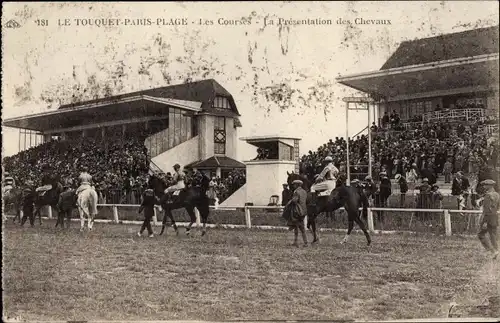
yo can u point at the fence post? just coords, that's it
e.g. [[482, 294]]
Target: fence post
[[155, 217], [197, 214], [371, 227], [115, 214], [447, 223], [248, 221], [49, 211]]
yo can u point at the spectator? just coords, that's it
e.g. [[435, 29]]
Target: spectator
[[403, 189]]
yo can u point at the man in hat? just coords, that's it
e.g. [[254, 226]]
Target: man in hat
[[436, 197], [370, 188], [447, 169], [148, 204], [403, 189], [296, 210], [178, 180], [325, 182], [460, 188], [28, 203], [489, 219], [385, 188]]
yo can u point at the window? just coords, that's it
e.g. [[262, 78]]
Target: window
[[420, 108], [221, 103], [220, 135], [428, 106]]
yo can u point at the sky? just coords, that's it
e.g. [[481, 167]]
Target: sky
[[282, 77]]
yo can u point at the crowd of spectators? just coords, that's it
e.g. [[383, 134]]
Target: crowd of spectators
[[224, 188], [421, 150], [117, 164]]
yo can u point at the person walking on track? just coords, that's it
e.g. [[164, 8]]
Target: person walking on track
[[148, 205], [489, 219]]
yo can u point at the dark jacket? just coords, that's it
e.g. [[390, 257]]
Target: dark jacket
[[28, 199], [457, 188], [148, 203], [385, 188], [403, 185]]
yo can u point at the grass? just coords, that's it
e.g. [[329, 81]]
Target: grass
[[111, 274]]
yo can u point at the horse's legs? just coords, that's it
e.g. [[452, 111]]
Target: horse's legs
[[349, 230], [204, 212], [312, 221], [192, 217], [91, 221], [82, 219], [168, 213], [363, 228]]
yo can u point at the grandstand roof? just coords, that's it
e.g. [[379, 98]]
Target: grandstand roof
[[443, 65], [217, 161], [196, 97], [468, 43]]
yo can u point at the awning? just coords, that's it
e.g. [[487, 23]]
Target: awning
[[135, 107], [264, 141], [470, 74], [215, 162]]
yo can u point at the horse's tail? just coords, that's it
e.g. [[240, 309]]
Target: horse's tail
[[365, 204]]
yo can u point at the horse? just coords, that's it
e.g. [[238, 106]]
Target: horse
[[346, 196], [189, 198], [13, 197], [47, 198], [86, 202]]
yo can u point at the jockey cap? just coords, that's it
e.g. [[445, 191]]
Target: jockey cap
[[460, 173], [368, 178], [425, 180], [328, 159], [297, 182], [397, 177], [354, 181], [488, 182]]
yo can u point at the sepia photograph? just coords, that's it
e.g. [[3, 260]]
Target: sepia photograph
[[218, 161]]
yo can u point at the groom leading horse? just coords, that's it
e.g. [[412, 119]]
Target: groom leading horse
[[341, 196]]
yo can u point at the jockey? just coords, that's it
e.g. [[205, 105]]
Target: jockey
[[327, 178], [47, 181], [8, 183], [178, 180], [85, 179]]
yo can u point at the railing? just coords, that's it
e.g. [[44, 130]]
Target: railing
[[445, 213], [488, 128], [466, 114]]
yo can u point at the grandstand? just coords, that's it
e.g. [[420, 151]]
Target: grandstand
[[122, 138], [436, 99]]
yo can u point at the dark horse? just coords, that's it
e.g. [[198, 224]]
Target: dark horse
[[50, 198], [193, 196], [342, 196]]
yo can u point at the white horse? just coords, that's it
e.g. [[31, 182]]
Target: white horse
[[87, 207]]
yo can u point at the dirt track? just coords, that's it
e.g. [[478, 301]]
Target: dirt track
[[111, 274]]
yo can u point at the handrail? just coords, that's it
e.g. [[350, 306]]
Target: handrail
[[454, 114]]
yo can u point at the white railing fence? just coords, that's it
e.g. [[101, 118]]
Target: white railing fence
[[247, 210]]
